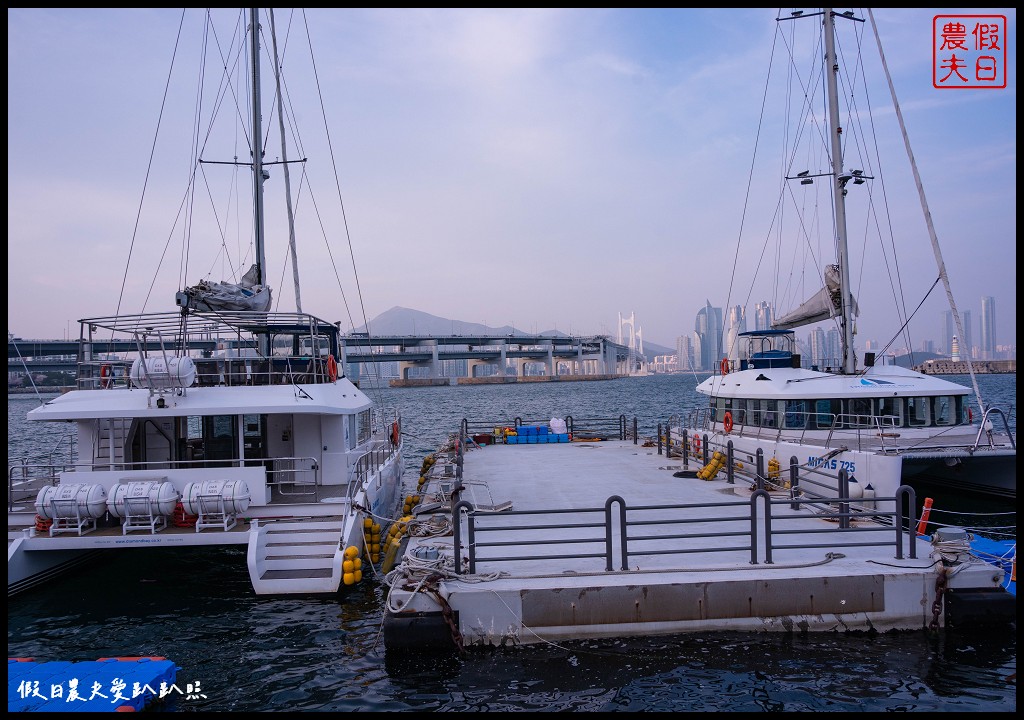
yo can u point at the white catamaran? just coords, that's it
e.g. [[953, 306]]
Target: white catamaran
[[884, 425], [220, 422]]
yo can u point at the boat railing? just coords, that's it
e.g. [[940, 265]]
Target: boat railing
[[294, 476], [985, 429], [290, 476], [621, 537], [25, 480], [818, 477], [371, 463], [104, 374]]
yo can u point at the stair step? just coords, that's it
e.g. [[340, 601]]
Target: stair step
[[300, 564], [295, 574], [319, 538], [296, 553]]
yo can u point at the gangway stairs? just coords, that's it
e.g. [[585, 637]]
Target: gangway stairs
[[288, 557]]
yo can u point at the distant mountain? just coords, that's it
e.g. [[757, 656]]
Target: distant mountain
[[404, 321]]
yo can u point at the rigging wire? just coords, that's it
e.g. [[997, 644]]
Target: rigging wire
[[927, 212]]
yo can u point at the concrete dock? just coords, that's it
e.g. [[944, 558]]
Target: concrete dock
[[610, 538]]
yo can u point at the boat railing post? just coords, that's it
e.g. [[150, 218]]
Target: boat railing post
[[760, 493], [457, 535], [704, 448], [659, 442], [759, 469], [794, 481], [636, 431], [905, 495], [686, 450], [844, 500], [609, 550], [730, 476]]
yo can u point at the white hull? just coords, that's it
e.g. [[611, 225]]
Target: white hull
[[292, 548]]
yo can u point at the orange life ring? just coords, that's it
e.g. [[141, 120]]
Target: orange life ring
[[396, 434], [43, 524], [727, 422], [106, 376], [724, 366], [696, 443], [332, 368]]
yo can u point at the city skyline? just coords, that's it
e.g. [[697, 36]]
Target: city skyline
[[581, 160]]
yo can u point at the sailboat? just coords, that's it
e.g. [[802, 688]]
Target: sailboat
[[860, 426], [219, 422]]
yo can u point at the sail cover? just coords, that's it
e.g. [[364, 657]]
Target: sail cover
[[246, 294], [824, 304]]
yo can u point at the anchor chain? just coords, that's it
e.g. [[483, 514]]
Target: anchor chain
[[449, 617], [940, 588]]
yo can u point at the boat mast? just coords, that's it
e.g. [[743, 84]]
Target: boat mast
[[839, 191], [258, 174]]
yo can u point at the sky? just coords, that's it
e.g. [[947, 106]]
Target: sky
[[541, 168]]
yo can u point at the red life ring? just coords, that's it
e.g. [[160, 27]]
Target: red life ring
[[106, 376], [970, 415], [396, 434], [727, 422], [724, 366], [696, 444], [332, 368]]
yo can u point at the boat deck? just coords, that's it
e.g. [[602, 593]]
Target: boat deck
[[598, 539]]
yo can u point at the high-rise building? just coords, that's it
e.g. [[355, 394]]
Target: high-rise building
[[965, 340], [708, 329], [763, 316], [816, 345], [735, 323], [832, 348], [988, 328], [684, 351]]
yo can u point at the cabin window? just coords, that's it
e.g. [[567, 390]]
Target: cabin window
[[254, 434], [763, 413], [944, 410], [739, 412], [890, 412], [365, 427], [858, 413], [963, 410], [220, 438], [722, 406], [917, 411], [825, 413], [796, 414]]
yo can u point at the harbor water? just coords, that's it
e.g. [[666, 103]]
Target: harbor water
[[241, 652]]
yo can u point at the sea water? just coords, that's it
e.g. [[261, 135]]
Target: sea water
[[241, 652]]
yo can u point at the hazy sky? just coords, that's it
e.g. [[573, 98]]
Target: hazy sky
[[547, 168]]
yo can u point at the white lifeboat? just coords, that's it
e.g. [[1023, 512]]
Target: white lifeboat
[[159, 494], [160, 374], [202, 495], [72, 500]]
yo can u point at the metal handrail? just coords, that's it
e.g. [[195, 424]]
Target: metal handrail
[[753, 524]]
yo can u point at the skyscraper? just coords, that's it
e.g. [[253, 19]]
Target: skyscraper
[[708, 330], [988, 327], [735, 323], [763, 316], [684, 351], [964, 340]]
